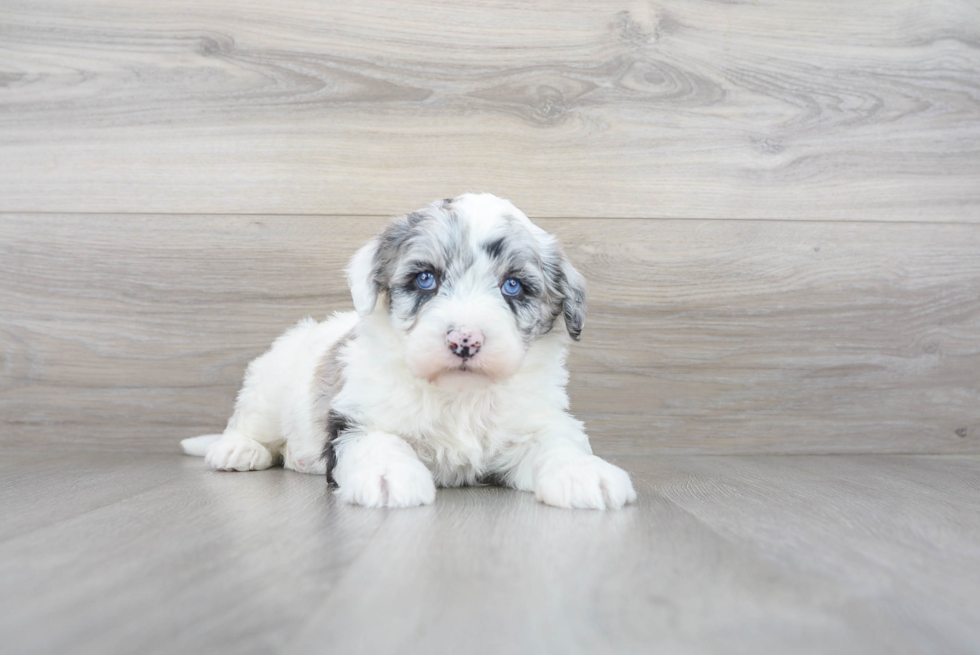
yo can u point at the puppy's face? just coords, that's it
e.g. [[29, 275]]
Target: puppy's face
[[469, 284]]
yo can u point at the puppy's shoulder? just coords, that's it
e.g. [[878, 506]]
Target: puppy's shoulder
[[338, 325]]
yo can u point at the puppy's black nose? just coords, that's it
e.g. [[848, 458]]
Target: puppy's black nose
[[463, 342]]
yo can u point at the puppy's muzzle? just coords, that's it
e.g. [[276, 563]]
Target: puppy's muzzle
[[464, 342]]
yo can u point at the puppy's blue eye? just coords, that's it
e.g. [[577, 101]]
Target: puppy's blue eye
[[511, 287], [425, 281]]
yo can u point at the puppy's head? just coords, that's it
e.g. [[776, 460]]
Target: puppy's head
[[469, 284]]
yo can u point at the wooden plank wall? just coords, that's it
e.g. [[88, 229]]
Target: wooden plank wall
[[777, 205]]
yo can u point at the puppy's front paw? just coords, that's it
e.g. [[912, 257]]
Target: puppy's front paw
[[586, 482], [238, 455], [308, 461], [395, 484]]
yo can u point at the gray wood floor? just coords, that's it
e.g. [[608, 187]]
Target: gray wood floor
[[149, 553]]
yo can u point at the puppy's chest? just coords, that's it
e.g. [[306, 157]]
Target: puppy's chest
[[469, 432]]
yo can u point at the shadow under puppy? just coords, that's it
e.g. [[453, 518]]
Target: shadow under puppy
[[451, 371]]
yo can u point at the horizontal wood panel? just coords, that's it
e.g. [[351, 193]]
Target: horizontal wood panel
[[797, 110], [702, 336]]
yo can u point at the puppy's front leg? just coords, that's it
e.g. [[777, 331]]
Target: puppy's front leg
[[559, 467], [379, 469]]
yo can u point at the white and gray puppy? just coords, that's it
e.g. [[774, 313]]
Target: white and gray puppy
[[450, 372]]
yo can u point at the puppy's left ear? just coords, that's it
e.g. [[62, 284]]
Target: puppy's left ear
[[361, 277], [571, 283]]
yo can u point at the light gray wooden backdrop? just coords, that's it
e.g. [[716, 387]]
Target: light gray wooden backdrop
[[777, 204]]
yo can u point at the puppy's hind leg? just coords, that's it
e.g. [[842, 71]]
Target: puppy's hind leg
[[236, 452], [249, 442]]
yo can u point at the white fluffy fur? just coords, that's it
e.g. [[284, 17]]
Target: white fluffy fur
[[422, 422]]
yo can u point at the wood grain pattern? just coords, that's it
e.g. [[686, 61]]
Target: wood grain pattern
[[179, 567], [702, 336], [844, 554], [67, 484], [805, 110], [718, 550]]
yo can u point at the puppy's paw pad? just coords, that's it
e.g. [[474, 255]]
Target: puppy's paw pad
[[586, 483], [238, 455], [399, 484]]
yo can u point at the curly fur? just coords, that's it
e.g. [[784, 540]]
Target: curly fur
[[375, 399]]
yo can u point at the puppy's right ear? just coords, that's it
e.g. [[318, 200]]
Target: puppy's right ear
[[369, 271], [362, 277]]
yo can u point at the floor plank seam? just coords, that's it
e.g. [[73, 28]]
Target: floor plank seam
[[90, 510], [337, 583]]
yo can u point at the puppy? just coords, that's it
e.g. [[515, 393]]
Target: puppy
[[450, 372]]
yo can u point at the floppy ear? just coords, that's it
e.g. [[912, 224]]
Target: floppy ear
[[361, 274], [369, 268], [572, 285]]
